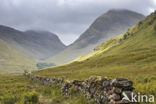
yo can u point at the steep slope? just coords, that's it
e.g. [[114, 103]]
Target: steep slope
[[140, 37], [13, 62], [132, 56], [37, 45], [110, 24], [43, 44], [125, 56]]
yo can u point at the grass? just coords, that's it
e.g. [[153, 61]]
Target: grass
[[137, 66], [18, 89], [14, 90], [132, 56], [13, 62]]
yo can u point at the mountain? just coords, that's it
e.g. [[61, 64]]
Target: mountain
[[110, 24], [43, 44], [12, 61], [131, 55], [37, 45], [140, 38]]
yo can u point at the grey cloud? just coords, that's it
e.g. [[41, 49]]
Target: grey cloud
[[67, 18]]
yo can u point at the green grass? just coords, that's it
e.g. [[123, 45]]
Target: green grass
[[18, 89], [13, 62], [132, 56], [137, 66], [14, 90]]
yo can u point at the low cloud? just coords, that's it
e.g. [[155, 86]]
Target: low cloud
[[67, 18]]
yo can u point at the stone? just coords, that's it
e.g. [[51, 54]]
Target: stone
[[114, 97], [122, 102], [101, 90], [121, 83]]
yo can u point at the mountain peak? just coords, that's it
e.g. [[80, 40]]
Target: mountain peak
[[141, 35], [119, 10], [6, 28], [110, 24], [115, 12], [41, 32], [36, 44], [37, 31]]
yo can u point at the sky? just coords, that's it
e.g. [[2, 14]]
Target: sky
[[66, 18]]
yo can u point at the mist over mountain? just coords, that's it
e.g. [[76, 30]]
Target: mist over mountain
[[35, 44], [12, 61], [77, 52], [110, 24]]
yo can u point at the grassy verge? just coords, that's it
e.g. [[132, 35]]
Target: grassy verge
[[19, 89]]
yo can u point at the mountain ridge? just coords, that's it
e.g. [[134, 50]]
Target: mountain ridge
[[21, 51], [111, 23], [13, 62], [132, 53], [37, 45], [110, 45]]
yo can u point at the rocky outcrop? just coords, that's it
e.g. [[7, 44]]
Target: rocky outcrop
[[102, 90]]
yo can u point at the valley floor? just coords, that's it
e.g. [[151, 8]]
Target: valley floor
[[18, 89], [138, 66]]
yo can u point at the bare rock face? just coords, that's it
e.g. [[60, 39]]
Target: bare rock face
[[103, 91]]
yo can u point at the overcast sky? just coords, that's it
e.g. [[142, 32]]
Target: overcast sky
[[67, 18]]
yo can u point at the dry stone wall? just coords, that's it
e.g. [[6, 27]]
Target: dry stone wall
[[101, 90]]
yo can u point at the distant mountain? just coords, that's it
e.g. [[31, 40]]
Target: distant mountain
[[110, 24], [139, 42], [131, 55], [12, 61], [37, 45]]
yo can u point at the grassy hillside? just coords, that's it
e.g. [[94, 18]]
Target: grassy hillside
[[110, 24], [132, 55], [35, 44], [13, 62]]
